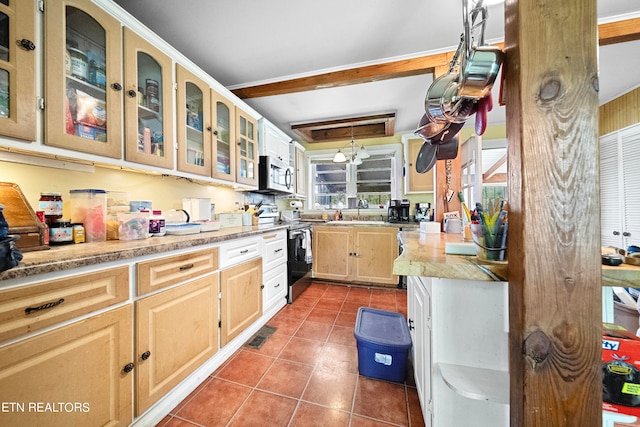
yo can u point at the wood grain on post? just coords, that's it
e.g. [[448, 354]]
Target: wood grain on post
[[554, 220]]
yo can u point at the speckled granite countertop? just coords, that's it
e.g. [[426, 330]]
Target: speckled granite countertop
[[65, 257], [424, 255]]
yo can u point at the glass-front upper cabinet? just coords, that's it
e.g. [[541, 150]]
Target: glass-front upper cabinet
[[247, 149], [17, 69], [194, 123], [224, 151], [148, 101], [83, 78]]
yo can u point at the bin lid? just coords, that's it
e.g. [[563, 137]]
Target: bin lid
[[88, 190], [382, 327]]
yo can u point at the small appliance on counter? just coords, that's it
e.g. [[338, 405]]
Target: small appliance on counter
[[268, 214], [290, 216], [399, 211], [422, 212]]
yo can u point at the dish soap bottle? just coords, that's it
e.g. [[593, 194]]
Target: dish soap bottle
[[337, 216]]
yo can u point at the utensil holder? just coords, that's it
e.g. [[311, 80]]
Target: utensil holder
[[490, 246]]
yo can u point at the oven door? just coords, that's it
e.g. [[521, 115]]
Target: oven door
[[299, 263], [274, 174]]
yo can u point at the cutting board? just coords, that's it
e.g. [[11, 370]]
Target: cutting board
[[21, 218]]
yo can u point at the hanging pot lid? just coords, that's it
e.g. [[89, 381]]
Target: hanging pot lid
[[426, 159]]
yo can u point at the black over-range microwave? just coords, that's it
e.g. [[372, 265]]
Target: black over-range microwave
[[274, 175]]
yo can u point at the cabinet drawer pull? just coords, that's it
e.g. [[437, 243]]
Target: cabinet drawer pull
[[30, 310], [626, 234], [128, 368], [116, 86], [277, 286], [131, 93], [187, 267], [244, 251], [145, 355], [277, 250], [27, 44]]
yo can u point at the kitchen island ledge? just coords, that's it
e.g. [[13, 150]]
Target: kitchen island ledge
[[424, 255], [66, 257]]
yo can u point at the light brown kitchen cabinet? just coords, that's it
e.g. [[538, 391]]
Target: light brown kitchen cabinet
[[148, 103], [83, 78], [359, 254], [247, 149], [75, 375], [241, 298], [416, 182], [332, 252], [194, 123], [176, 332], [224, 125], [17, 69], [30, 308]]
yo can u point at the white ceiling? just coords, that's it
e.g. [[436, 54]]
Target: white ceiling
[[248, 42]]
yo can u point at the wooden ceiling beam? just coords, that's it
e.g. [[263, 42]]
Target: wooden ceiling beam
[[619, 32], [610, 33]]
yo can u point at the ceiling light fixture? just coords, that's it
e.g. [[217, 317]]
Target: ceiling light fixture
[[355, 155]]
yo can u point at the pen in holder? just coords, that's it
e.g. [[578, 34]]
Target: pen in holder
[[490, 236]]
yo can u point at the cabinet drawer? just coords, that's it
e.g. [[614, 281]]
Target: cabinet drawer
[[238, 251], [275, 249], [275, 286], [33, 307], [167, 271]]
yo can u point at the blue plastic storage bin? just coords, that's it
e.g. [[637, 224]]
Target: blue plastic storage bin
[[383, 342]]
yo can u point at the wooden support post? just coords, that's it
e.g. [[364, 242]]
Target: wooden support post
[[554, 213]]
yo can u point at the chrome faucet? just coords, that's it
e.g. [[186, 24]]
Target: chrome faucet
[[362, 204]]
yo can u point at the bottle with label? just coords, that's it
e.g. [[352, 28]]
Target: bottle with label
[[45, 237], [337, 216], [78, 232], [157, 226]]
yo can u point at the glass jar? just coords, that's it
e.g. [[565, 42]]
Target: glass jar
[[51, 205], [60, 232], [157, 226]]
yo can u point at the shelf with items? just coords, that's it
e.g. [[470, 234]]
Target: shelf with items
[[83, 52]]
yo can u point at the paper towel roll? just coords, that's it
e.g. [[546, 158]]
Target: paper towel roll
[[295, 204]]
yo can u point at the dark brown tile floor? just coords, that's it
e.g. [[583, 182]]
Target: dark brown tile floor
[[306, 373]]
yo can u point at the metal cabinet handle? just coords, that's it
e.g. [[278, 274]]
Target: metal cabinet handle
[[277, 285], [277, 250], [128, 368], [626, 234], [145, 355], [27, 44], [616, 233], [244, 251], [411, 327], [116, 86], [45, 306], [131, 93], [187, 267]]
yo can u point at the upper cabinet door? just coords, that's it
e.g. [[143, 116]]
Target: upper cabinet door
[[224, 150], [194, 123], [17, 69], [148, 103], [247, 149], [83, 78]]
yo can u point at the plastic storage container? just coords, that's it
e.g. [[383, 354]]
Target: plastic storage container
[[383, 342], [90, 208]]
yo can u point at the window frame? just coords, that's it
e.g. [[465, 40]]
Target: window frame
[[394, 151]]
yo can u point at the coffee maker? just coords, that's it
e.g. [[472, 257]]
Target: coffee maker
[[422, 212], [399, 211]]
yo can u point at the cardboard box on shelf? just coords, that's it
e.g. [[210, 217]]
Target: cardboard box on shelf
[[620, 371]]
